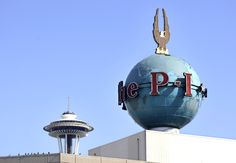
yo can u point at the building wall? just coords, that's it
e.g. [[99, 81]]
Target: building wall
[[63, 158], [132, 147], [42, 158], [179, 148], [165, 147]]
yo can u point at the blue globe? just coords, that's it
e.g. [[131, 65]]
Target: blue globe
[[171, 108]]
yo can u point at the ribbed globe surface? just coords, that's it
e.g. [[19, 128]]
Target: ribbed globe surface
[[171, 108]]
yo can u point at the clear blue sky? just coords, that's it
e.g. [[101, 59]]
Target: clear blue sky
[[51, 49]]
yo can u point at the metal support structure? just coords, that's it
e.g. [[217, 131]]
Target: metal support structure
[[76, 146], [65, 145], [59, 144], [68, 143], [138, 147]]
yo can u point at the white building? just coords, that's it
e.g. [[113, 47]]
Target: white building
[[163, 147]]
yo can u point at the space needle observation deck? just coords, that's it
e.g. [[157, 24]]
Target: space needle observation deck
[[68, 130]]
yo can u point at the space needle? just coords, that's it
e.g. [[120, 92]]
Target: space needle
[[68, 130]]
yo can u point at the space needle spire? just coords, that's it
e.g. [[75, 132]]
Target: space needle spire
[[68, 130], [68, 104]]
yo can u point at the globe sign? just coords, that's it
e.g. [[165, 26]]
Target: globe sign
[[161, 91]]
